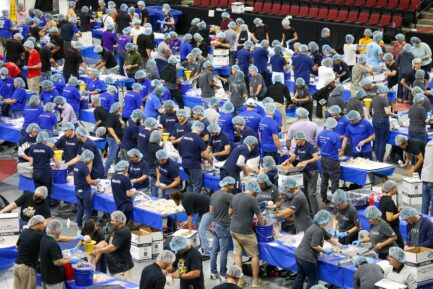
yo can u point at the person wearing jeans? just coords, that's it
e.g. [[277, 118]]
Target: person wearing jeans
[[427, 180], [115, 133], [219, 207], [82, 182]]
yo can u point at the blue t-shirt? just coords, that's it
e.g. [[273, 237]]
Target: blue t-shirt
[[373, 52], [184, 50], [132, 101], [268, 127], [167, 95], [47, 120], [7, 87], [252, 119], [59, 86], [130, 135], [96, 85], [31, 114], [81, 171], [278, 62], [107, 100], [260, 56], [303, 64], [143, 140], [48, 96], [190, 149], [305, 153], [168, 121], [329, 143], [146, 84], [119, 185], [342, 123], [181, 129], [278, 118], [153, 103], [358, 132], [25, 31], [258, 109], [226, 125], [218, 144], [70, 147], [244, 59], [20, 95], [137, 170], [168, 172], [41, 154], [97, 167], [72, 96], [230, 165], [5, 27]]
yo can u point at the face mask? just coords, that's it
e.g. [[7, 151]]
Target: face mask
[[37, 198]]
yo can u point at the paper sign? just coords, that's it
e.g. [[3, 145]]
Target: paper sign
[[211, 13]]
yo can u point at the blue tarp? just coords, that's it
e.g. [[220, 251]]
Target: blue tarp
[[7, 258], [9, 133]]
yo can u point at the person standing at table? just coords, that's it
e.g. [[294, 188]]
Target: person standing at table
[[27, 140], [144, 134], [366, 274], [32, 111], [153, 276], [73, 61], [163, 51], [153, 107], [427, 180], [133, 60], [123, 190], [181, 128], [268, 134], [281, 96], [206, 83], [123, 19], [131, 130], [116, 248], [82, 182], [155, 144], [138, 170], [310, 128], [310, 248], [72, 94], [390, 212], [17, 99], [417, 118], [68, 142], [412, 147], [359, 71], [34, 66], [361, 133], [168, 119], [114, 136], [419, 229], [167, 173], [219, 143], [302, 64], [132, 101], [170, 76], [346, 218], [374, 52]]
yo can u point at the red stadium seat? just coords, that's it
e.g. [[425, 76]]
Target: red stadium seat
[[397, 21], [332, 15], [370, 3], [303, 11], [276, 9], [258, 6], [196, 2], [266, 8], [339, 2], [415, 5], [205, 3], [374, 19], [363, 17], [323, 13], [294, 10], [223, 3], [382, 3], [250, 3], [314, 11], [385, 20], [404, 5], [352, 17], [349, 2], [214, 3], [392, 4], [285, 10], [342, 15], [360, 3]]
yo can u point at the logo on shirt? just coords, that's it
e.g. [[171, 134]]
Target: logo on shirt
[[29, 211]]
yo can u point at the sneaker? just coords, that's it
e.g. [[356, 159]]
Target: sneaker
[[260, 283], [223, 279], [214, 276], [205, 258], [242, 283]]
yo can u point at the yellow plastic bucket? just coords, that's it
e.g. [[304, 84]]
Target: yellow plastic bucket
[[188, 74], [135, 39], [165, 136], [82, 86], [58, 155], [99, 13], [89, 246], [287, 58], [367, 102], [217, 29]]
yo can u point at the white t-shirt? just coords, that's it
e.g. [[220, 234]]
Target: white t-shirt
[[135, 32], [350, 54], [324, 74], [106, 21]]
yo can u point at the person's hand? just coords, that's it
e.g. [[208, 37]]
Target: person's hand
[[263, 204], [74, 260], [175, 275], [361, 144], [332, 233], [406, 164], [73, 250], [25, 67], [406, 247], [162, 186], [356, 243], [410, 172], [281, 153], [133, 181], [118, 141], [98, 181], [302, 164], [344, 246], [328, 252], [342, 234], [94, 252], [78, 238], [378, 246]]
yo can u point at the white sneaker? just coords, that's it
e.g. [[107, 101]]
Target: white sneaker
[[223, 279], [214, 276]]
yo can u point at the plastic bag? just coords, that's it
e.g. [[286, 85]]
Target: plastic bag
[[172, 152]]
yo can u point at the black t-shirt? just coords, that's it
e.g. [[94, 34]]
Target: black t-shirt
[[260, 32], [58, 42], [73, 60], [101, 114], [14, 50], [144, 42], [85, 19], [67, 31], [120, 260], [227, 286], [144, 15], [410, 77], [123, 20], [386, 204], [113, 121], [152, 277], [415, 146], [28, 247], [191, 260], [195, 203], [98, 235], [152, 148], [46, 55], [34, 31], [392, 80], [49, 252], [109, 59], [29, 207], [288, 34]]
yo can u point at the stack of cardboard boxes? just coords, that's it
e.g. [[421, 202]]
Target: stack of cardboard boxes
[[412, 191], [420, 262], [146, 244]]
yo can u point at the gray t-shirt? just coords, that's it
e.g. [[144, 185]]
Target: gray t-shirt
[[417, 117], [255, 82], [414, 234], [337, 100], [237, 91], [367, 275], [347, 218], [204, 79], [162, 47], [380, 232], [303, 219], [244, 207], [220, 202], [378, 105], [269, 194], [355, 104], [230, 37], [314, 236]]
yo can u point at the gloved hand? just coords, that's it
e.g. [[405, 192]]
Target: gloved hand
[[344, 246], [356, 243], [25, 67], [74, 260], [162, 22], [272, 216], [328, 252], [342, 235], [98, 181], [333, 233], [78, 238], [288, 42], [281, 220], [73, 250], [263, 204], [264, 212]]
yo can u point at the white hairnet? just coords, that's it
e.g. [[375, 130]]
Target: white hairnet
[[35, 220], [87, 156], [400, 139], [155, 136], [54, 226], [234, 272], [397, 253], [322, 217], [167, 257], [42, 190], [388, 186], [118, 216], [120, 166]]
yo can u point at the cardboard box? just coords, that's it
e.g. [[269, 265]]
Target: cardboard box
[[412, 186], [411, 199], [388, 284], [157, 248], [193, 237], [298, 176], [9, 224], [142, 253], [9, 241], [156, 235], [141, 238], [420, 261]]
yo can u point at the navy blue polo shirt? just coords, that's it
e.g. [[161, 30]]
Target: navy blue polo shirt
[[81, 171], [190, 149], [305, 153], [260, 56], [130, 135], [303, 64], [168, 121], [181, 129], [329, 143], [244, 57], [69, 146], [97, 167], [230, 165], [268, 127], [168, 172], [358, 132], [137, 170], [278, 62], [247, 132], [119, 185], [143, 140], [218, 144], [41, 154]]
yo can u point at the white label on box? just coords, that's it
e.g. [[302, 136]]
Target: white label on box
[[422, 273], [157, 247], [141, 253]]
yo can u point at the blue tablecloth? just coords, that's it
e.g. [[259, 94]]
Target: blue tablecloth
[[403, 131], [209, 181], [9, 133], [155, 14], [88, 52], [87, 115], [125, 284], [358, 176], [97, 33], [7, 258]]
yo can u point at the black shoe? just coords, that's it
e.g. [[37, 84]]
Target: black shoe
[[326, 201], [205, 258]]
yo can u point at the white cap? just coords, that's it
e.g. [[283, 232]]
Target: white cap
[[251, 102]]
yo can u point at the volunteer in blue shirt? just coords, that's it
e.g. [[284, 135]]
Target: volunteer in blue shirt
[[305, 155], [268, 134], [245, 57], [419, 229], [153, 107], [167, 174], [41, 156], [251, 117], [138, 170], [186, 47], [180, 128], [257, 108], [122, 189], [86, 143], [192, 149], [48, 120], [27, 140], [219, 144], [82, 183], [166, 95], [68, 142], [277, 61], [6, 27], [361, 133], [260, 56], [6, 83], [302, 64], [236, 162], [141, 78], [243, 131], [48, 92], [342, 123], [109, 97], [329, 143], [132, 100], [72, 94], [144, 134], [198, 114], [130, 133], [225, 120], [32, 111], [18, 98], [374, 52], [94, 85], [58, 82], [168, 119]]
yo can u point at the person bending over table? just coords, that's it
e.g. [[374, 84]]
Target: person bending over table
[[153, 275], [122, 189], [198, 115], [94, 85], [345, 217], [412, 147], [419, 229], [219, 143], [400, 272], [181, 128], [361, 133], [366, 274], [138, 170], [167, 173], [382, 236]]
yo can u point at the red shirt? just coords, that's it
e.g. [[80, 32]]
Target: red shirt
[[13, 69], [34, 59]]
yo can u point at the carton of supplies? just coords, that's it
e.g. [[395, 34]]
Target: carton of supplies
[[238, 7], [411, 189], [141, 245], [388, 284], [25, 170], [141, 237], [290, 171], [156, 240], [221, 57], [420, 261], [8, 241], [9, 224], [193, 237]]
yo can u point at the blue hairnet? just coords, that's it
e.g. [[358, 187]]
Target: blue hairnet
[[228, 107], [350, 38], [161, 155], [253, 186], [68, 126], [338, 90], [330, 122], [111, 88], [388, 57], [253, 68], [85, 9], [73, 81], [227, 181], [318, 287], [313, 46], [415, 90], [225, 15], [382, 90], [49, 106], [120, 166], [400, 139], [324, 31], [353, 115], [362, 58], [278, 50], [397, 253], [42, 137], [264, 43], [240, 21], [47, 84], [264, 178], [419, 74], [361, 260], [202, 25], [326, 49], [140, 74], [285, 22], [269, 163], [137, 114], [418, 98], [115, 107], [249, 44], [169, 104], [257, 21], [197, 125], [31, 127], [303, 48], [123, 7], [159, 90], [289, 183], [239, 76], [34, 100], [220, 35], [173, 60], [150, 122], [416, 60], [270, 108], [302, 112], [126, 30], [372, 212], [129, 46], [238, 120], [100, 131], [361, 94], [81, 131], [87, 156], [187, 37], [98, 49], [365, 81], [407, 212], [278, 78], [399, 36], [207, 64], [195, 21], [20, 82], [178, 243], [59, 100], [214, 101], [322, 217], [232, 25], [251, 140], [155, 136], [213, 128], [166, 6], [415, 40], [182, 112], [134, 153], [337, 57], [377, 37], [299, 135], [339, 197], [275, 43], [198, 109], [388, 186], [137, 87], [267, 100]]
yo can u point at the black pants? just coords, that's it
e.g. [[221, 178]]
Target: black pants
[[396, 228], [175, 93], [266, 78], [43, 179], [330, 171]]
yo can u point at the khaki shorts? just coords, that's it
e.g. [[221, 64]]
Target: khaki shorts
[[247, 243]]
